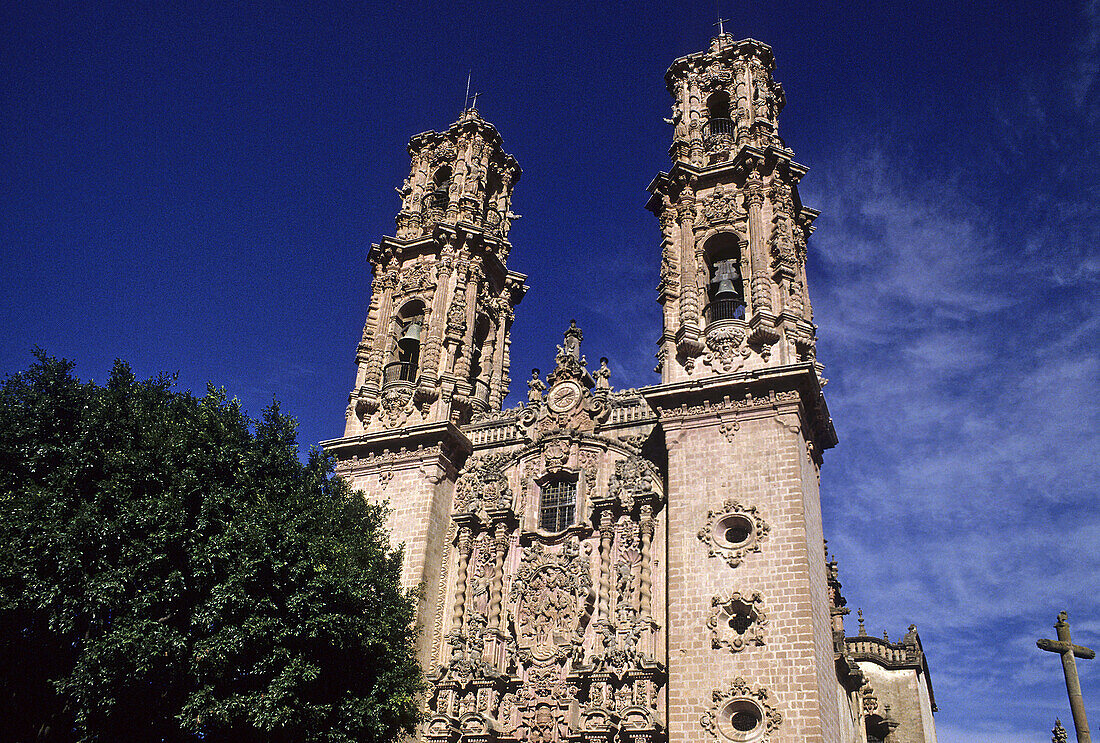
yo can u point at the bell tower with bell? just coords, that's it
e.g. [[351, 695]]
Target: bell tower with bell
[[435, 346], [740, 409], [733, 270]]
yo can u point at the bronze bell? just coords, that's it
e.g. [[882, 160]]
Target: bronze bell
[[410, 340], [726, 290]]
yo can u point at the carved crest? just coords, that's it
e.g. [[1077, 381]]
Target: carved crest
[[551, 592], [632, 480], [725, 349], [483, 484]]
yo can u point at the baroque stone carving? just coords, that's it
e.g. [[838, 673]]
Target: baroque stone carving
[[482, 484], [737, 621], [722, 207], [395, 402], [552, 595], [632, 480], [741, 713], [733, 532], [725, 348]]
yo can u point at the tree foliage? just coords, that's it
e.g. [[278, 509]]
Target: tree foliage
[[170, 571]]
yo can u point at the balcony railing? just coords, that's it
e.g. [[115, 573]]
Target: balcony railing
[[397, 372], [719, 135], [715, 127], [725, 309], [434, 206]]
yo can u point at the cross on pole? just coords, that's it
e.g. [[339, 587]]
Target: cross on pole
[[721, 28], [1064, 646]]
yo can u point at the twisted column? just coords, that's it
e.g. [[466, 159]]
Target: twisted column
[[645, 579], [464, 547], [500, 547], [607, 532]]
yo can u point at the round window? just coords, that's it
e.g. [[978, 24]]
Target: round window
[[734, 530], [740, 720]]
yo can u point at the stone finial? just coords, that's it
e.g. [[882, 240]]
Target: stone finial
[[862, 629], [1058, 733]]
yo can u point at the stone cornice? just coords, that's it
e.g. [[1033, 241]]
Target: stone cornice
[[768, 388], [431, 439]]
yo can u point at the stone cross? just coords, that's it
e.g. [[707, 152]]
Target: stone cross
[[721, 28], [1064, 646]]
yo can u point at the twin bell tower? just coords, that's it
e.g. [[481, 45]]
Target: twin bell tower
[[618, 566]]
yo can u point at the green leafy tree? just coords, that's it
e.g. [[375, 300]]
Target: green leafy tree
[[170, 571]]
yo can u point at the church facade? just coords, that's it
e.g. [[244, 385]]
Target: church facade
[[633, 565]]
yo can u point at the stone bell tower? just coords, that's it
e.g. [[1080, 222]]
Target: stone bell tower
[[435, 344], [733, 270], [744, 423], [434, 350], [635, 565]]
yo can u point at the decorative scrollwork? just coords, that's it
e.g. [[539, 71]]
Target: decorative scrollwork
[[737, 621]]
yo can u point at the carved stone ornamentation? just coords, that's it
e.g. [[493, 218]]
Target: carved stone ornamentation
[[552, 592], [482, 484], [722, 207], [395, 401], [741, 713], [733, 532], [632, 480], [417, 278], [725, 348], [737, 621]]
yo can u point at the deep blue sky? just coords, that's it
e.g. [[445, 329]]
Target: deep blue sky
[[193, 189]]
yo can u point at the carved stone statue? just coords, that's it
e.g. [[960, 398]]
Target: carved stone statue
[[602, 375], [535, 387]]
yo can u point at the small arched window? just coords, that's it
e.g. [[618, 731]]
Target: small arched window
[[405, 357], [718, 105], [557, 504], [477, 353], [439, 197], [725, 284]]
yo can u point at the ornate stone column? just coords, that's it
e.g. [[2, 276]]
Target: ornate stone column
[[607, 534], [461, 578], [760, 289], [645, 577]]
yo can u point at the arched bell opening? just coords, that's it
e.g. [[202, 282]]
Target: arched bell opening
[[439, 198], [725, 283], [405, 345], [491, 215], [878, 729], [479, 376], [718, 114]]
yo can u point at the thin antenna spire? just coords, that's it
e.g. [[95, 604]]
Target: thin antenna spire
[[721, 28], [466, 100]]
